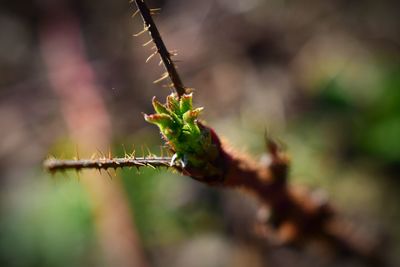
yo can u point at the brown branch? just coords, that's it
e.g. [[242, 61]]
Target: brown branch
[[161, 48], [54, 165], [297, 215]]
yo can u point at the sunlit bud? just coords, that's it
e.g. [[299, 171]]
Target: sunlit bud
[[158, 107], [172, 103], [191, 115], [186, 103], [162, 120]]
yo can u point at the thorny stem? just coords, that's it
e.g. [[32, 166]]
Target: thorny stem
[[54, 165], [161, 48], [297, 215]]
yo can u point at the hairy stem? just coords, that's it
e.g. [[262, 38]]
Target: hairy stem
[[54, 165], [161, 48]]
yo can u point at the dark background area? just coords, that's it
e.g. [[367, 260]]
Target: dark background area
[[321, 76]]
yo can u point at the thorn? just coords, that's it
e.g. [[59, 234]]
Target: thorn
[[140, 164], [145, 29], [173, 53], [142, 151], [132, 155], [155, 11], [160, 63], [161, 152], [151, 166], [93, 156], [149, 152], [151, 56], [148, 42], [125, 153], [101, 153], [109, 153], [169, 86], [163, 77], [136, 12]]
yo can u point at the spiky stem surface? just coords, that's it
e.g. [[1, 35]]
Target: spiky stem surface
[[161, 48], [54, 165]]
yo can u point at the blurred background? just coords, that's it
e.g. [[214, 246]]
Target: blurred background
[[321, 76]]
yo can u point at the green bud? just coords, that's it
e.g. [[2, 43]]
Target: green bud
[[177, 120]]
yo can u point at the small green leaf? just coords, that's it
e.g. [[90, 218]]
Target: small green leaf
[[186, 103], [191, 115], [173, 104], [158, 107], [161, 120]]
